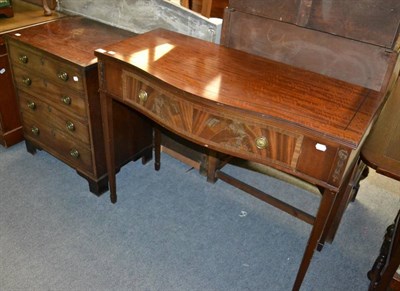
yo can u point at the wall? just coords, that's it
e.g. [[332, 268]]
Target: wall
[[143, 15]]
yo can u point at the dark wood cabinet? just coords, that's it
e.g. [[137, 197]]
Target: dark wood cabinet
[[10, 125], [57, 88], [25, 15]]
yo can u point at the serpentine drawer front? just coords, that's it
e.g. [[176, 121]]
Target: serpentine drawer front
[[210, 127], [57, 86]]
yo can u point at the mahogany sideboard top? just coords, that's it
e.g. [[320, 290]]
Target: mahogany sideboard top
[[235, 103], [281, 94]]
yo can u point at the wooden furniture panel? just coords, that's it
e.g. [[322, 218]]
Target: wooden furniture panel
[[10, 125], [350, 61], [25, 15], [375, 23], [381, 149], [381, 152], [57, 87], [311, 126]]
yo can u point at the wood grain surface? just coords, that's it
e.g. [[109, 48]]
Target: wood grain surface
[[278, 92]]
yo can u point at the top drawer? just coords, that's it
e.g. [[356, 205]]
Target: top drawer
[[46, 65]]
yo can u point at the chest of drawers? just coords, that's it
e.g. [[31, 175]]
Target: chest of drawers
[[55, 73]]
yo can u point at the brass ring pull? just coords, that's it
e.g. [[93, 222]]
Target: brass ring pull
[[27, 81], [23, 59], [31, 105], [143, 95], [66, 100], [63, 76], [70, 126], [35, 130], [74, 153], [262, 142]]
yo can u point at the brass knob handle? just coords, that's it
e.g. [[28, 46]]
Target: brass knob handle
[[70, 126], [31, 105], [66, 100], [63, 76], [35, 130], [74, 153], [27, 81], [262, 142], [23, 59], [143, 95]]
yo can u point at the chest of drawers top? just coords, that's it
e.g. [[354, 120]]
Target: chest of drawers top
[[280, 94], [56, 77], [71, 39]]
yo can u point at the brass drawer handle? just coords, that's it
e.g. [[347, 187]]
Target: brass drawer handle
[[74, 153], [63, 76], [31, 105], [66, 100], [23, 59], [262, 142], [35, 130], [27, 81], [143, 95], [70, 126]]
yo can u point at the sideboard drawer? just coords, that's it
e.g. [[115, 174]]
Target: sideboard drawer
[[250, 140], [173, 112]]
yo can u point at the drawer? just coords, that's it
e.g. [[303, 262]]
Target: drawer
[[48, 115], [172, 112], [72, 152], [244, 138], [46, 65], [65, 100], [207, 126]]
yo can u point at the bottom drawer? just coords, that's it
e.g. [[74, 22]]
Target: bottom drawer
[[61, 146]]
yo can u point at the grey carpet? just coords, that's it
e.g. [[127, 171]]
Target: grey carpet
[[171, 230]]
